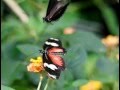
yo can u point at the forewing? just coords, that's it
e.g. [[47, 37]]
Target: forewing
[[59, 11], [56, 59], [56, 10], [50, 6]]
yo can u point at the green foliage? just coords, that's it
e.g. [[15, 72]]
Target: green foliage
[[86, 40], [86, 58], [6, 88], [29, 50], [109, 16]]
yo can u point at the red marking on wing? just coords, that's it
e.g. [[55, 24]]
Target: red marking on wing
[[56, 59]]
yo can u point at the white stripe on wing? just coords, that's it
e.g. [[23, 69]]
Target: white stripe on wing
[[51, 66], [53, 76], [51, 43], [54, 39]]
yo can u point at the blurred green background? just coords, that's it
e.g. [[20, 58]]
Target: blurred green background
[[81, 29]]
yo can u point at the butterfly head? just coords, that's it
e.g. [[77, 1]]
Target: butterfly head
[[46, 19]]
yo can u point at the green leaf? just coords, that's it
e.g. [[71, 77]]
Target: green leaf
[[106, 70], [108, 67], [29, 50], [3, 87], [110, 19], [79, 82], [86, 40], [34, 77], [10, 70], [91, 64], [109, 16], [75, 61]]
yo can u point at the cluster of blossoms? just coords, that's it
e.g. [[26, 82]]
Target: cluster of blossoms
[[110, 41], [92, 85], [36, 65]]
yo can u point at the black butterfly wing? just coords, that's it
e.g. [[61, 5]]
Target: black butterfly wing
[[52, 40], [51, 73], [55, 10], [50, 6], [58, 11]]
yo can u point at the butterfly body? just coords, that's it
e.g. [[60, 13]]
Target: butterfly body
[[52, 60], [55, 10]]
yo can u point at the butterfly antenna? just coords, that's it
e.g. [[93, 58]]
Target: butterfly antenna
[[41, 51]]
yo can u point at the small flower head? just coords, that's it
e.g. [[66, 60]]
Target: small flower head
[[36, 65], [92, 85], [110, 41], [69, 30]]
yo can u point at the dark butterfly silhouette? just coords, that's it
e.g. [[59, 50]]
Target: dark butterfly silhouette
[[52, 59], [55, 9]]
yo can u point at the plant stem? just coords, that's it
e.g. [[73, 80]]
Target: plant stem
[[39, 85], [45, 88], [15, 7]]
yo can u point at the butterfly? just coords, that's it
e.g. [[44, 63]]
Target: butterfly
[[52, 59], [55, 10]]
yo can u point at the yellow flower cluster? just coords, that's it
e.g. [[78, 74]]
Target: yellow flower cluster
[[36, 65], [110, 41], [92, 85]]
